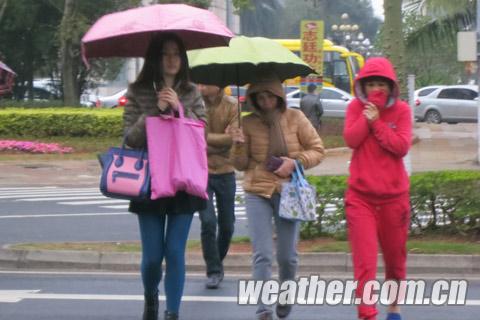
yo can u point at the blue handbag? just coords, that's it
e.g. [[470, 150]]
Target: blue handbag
[[298, 199], [125, 174]]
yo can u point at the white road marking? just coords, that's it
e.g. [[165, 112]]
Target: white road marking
[[13, 296], [62, 198], [61, 215], [123, 206], [80, 196], [34, 191], [56, 194], [106, 201], [25, 188]]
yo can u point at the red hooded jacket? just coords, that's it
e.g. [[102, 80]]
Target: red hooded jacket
[[376, 167]]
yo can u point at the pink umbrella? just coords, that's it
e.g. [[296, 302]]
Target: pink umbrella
[[128, 33], [6, 78], [3, 66]]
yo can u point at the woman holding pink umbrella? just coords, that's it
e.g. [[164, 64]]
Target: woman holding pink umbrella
[[160, 33], [162, 85]]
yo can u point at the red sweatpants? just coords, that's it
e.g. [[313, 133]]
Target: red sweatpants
[[371, 221]]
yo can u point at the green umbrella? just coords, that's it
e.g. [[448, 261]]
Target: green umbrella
[[242, 61]]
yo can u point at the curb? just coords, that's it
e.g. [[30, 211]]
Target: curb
[[234, 262]]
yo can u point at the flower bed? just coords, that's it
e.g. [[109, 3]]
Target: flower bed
[[32, 147]]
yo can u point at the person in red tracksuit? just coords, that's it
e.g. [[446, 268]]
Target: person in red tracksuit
[[378, 127]]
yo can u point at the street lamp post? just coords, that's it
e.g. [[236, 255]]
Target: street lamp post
[[350, 36], [345, 32]]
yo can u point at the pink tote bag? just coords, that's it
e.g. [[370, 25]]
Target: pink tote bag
[[177, 155]]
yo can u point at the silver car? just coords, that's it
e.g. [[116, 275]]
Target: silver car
[[334, 101], [450, 104], [426, 91]]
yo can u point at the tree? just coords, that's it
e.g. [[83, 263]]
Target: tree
[[431, 64], [45, 41], [261, 17], [3, 6], [359, 11], [78, 16], [443, 19], [430, 37], [26, 42], [393, 40], [67, 54]]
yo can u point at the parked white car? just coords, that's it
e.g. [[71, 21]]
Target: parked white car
[[334, 101], [111, 101], [451, 104]]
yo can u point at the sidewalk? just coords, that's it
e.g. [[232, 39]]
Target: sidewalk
[[454, 265], [440, 147], [437, 147]]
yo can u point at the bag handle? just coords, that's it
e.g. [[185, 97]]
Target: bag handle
[[298, 175], [181, 111], [139, 163]]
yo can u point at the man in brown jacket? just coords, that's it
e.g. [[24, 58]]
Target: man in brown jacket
[[221, 113]]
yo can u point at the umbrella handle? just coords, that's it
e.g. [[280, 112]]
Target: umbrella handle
[[239, 109]]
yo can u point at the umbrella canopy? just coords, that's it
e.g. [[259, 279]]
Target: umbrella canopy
[[242, 60], [128, 33]]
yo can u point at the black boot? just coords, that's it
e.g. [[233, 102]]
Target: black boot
[[150, 310], [170, 315]]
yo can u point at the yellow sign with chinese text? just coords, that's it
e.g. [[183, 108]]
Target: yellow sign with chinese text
[[311, 35]]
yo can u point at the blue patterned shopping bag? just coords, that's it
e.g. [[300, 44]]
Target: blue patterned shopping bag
[[298, 200]]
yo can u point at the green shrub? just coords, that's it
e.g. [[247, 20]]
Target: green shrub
[[330, 191], [10, 103], [70, 122], [448, 201]]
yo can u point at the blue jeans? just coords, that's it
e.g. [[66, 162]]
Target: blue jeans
[[215, 248], [159, 241]]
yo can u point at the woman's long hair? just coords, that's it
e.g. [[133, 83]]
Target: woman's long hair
[[152, 70]]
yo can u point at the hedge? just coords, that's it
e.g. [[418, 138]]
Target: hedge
[[445, 200], [72, 122]]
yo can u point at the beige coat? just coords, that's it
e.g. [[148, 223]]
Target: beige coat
[[302, 141], [220, 114]]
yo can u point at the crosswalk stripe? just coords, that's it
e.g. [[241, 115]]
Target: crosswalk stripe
[[55, 194], [123, 206], [39, 191], [237, 213], [85, 196], [61, 198], [68, 215], [77, 203], [26, 188]]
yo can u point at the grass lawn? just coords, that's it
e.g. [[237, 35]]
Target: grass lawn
[[425, 245]]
